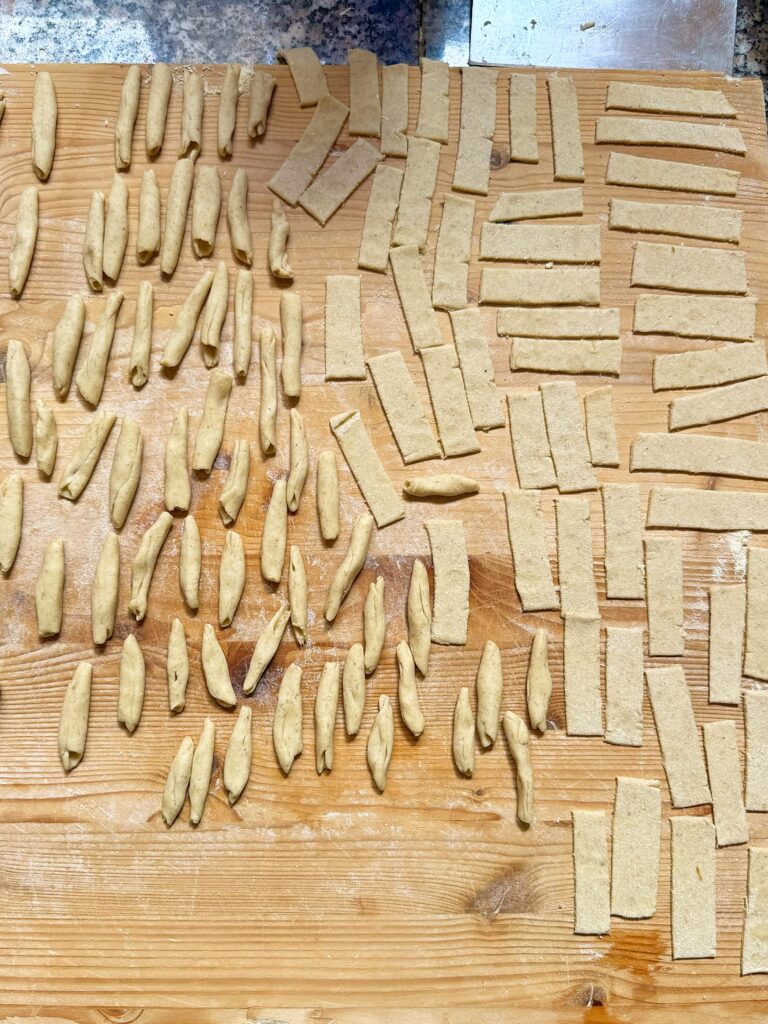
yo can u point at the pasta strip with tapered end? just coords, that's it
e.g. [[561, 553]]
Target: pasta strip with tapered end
[[18, 380], [624, 685], [306, 158], [679, 740], [268, 403], [350, 567], [105, 590], [11, 519], [601, 430], [177, 666], [434, 102], [528, 540], [364, 96], [754, 948], [297, 595], [353, 688], [200, 775], [23, 241], [262, 88], [419, 616], [687, 268], [441, 485], [227, 115], [756, 640], [157, 107], [239, 756], [214, 315], [696, 316], [728, 364], [190, 563], [49, 590], [591, 869], [210, 430], [561, 286], [126, 470], [141, 347], [237, 218], [286, 727], [130, 696], [635, 848], [685, 508], [756, 749], [299, 467], [183, 329], [489, 686], [518, 740], [464, 734], [178, 490], [206, 208], [233, 495], [192, 105], [326, 705], [371, 477], [291, 327], [216, 669], [672, 175], [538, 682], [278, 241], [126, 117], [694, 927], [66, 343], [266, 648], [115, 229], [380, 742], [448, 396], [720, 404], [700, 454], [148, 236], [554, 202], [665, 99], [273, 538], [688, 220], [231, 577], [144, 563], [450, 611], [177, 204], [374, 625], [556, 322]]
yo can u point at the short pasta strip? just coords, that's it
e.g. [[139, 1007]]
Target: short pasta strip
[[557, 322], [694, 928], [666, 99], [686, 268], [553, 355], [601, 429], [523, 144], [379, 218], [699, 454], [567, 437], [727, 611], [568, 152], [756, 750], [722, 750], [553, 202], [403, 408], [477, 369], [624, 685], [754, 948], [683, 508], [419, 183], [719, 404], [578, 593], [450, 611], [709, 368], [664, 587], [756, 640], [623, 521], [478, 121], [306, 158], [696, 317], [530, 445], [581, 676], [344, 355], [591, 869], [329, 191], [434, 103], [508, 286], [685, 219], [635, 848], [678, 734], [541, 243], [528, 541], [420, 317]]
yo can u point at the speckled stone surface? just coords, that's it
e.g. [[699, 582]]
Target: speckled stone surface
[[750, 56]]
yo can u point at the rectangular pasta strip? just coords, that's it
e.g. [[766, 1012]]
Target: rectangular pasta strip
[[578, 594], [756, 750], [454, 244], [477, 124], [371, 477], [555, 355], [694, 929], [553, 202], [624, 686], [449, 400], [667, 99], [683, 508], [756, 636], [664, 587], [530, 445], [477, 369], [709, 368], [344, 355], [523, 145], [699, 454], [379, 218], [695, 316], [307, 156], [727, 611], [420, 317], [647, 131], [636, 842], [723, 403], [567, 149], [364, 95], [418, 187], [623, 521], [754, 947], [592, 882], [670, 175], [581, 676], [394, 109], [528, 540], [686, 268], [541, 243], [450, 606], [567, 435], [561, 286], [403, 408], [558, 322], [679, 740], [601, 430], [688, 220], [722, 750], [333, 187], [434, 102]]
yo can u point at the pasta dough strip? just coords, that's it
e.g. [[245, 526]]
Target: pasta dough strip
[[723, 403], [724, 771], [476, 128], [578, 594], [591, 868], [18, 379], [44, 117], [699, 454], [571, 286], [671, 175], [567, 147], [681, 752], [364, 96], [307, 74], [306, 158], [646, 131], [126, 117], [530, 445], [528, 541], [344, 354], [333, 187], [624, 685], [80, 467], [664, 586], [476, 365], [754, 949], [176, 206], [551, 355], [434, 102], [756, 641], [695, 316], [449, 400], [367, 469], [686, 219], [90, 377], [452, 252], [394, 109], [756, 750], [601, 431], [523, 145], [541, 243], [694, 932], [665, 99], [23, 241], [681, 508], [727, 611], [635, 848], [403, 408], [420, 317], [529, 322], [210, 430], [380, 217], [685, 268], [419, 181], [581, 676], [624, 561], [728, 364], [567, 435], [450, 610], [157, 108]]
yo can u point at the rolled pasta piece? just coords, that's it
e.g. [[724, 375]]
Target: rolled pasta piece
[[141, 348], [93, 243], [273, 537], [407, 693], [239, 755], [73, 722], [18, 379], [489, 686], [90, 376], [237, 218], [353, 688], [230, 91], [184, 328], [206, 206], [190, 563], [176, 784], [516, 732], [178, 490], [105, 590], [177, 666], [144, 563], [380, 743], [242, 341], [538, 683], [11, 519], [444, 485], [216, 670], [290, 322], [326, 704], [299, 461], [210, 430], [464, 734], [78, 470], [286, 726], [268, 407], [126, 117], [266, 648], [65, 344], [231, 577], [262, 87], [130, 694], [419, 616], [352, 563], [126, 470], [148, 237], [200, 774], [44, 117], [328, 495], [192, 105], [297, 595], [177, 204], [214, 315], [232, 496], [278, 240], [49, 590], [157, 107], [23, 241], [115, 228], [374, 624]]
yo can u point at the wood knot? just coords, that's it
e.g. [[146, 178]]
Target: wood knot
[[510, 893], [499, 158], [591, 994]]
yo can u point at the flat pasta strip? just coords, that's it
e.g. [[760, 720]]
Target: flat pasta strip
[[450, 610], [754, 948], [558, 322], [419, 183], [722, 750], [344, 354], [530, 444], [403, 408], [624, 685], [478, 121], [528, 540], [646, 131], [449, 400], [727, 611], [364, 95], [508, 286], [601, 430], [434, 102], [578, 594], [541, 243], [567, 437], [756, 750], [694, 928], [686, 268], [394, 109], [699, 454], [581, 676], [682, 508], [477, 369], [306, 158], [710, 367], [591, 869], [624, 561], [452, 252], [523, 145], [670, 175], [333, 187], [362, 458], [553, 355], [756, 640], [678, 734], [568, 152], [696, 317], [689, 220], [420, 317], [379, 218], [664, 588], [666, 99], [307, 74], [553, 202], [635, 848], [724, 403]]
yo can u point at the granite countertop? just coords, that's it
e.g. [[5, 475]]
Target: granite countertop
[[216, 31]]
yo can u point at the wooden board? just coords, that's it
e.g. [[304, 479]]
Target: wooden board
[[316, 898]]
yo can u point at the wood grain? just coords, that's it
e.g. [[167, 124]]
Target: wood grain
[[318, 899]]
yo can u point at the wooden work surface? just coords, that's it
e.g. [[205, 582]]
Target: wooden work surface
[[317, 898]]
